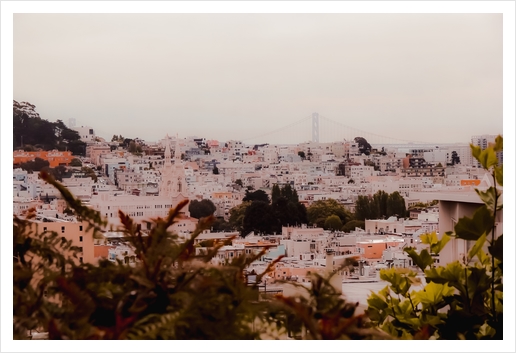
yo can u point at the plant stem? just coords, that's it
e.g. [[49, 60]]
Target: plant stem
[[493, 310]]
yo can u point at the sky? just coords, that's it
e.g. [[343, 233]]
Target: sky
[[421, 77]]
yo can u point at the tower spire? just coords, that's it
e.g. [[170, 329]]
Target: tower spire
[[167, 151], [177, 152]]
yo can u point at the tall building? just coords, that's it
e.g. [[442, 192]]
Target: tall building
[[173, 180]]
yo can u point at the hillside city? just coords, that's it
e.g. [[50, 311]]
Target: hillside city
[[319, 205]]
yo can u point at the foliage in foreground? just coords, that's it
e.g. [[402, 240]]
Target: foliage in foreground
[[462, 300], [170, 293]]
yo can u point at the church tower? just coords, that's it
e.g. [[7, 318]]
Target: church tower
[[173, 180]]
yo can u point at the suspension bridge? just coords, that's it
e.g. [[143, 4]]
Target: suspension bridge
[[319, 129]]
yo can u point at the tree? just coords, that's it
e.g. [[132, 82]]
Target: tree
[[34, 166], [220, 225], [203, 208], [260, 219], [239, 182], [322, 209], [363, 208], [29, 128], [351, 225], [455, 159], [379, 205], [301, 154], [237, 214], [275, 193], [258, 195], [289, 212], [333, 223], [76, 162], [363, 146], [396, 205], [89, 173]]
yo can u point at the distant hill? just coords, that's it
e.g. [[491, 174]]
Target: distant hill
[[31, 132]]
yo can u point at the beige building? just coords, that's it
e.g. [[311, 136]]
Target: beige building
[[74, 231], [452, 207]]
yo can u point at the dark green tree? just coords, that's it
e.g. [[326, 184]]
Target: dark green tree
[[34, 166], [322, 209], [363, 146], [260, 219], [396, 205], [363, 208], [455, 159], [275, 193], [237, 214], [258, 195], [89, 173], [333, 223], [203, 208], [289, 212], [76, 162], [351, 225], [379, 204]]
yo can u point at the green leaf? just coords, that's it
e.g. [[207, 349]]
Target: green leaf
[[499, 174], [434, 293], [437, 247], [473, 228], [377, 302], [429, 238], [422, 260], [452, 273], [496, 250], [498, 146], [488, 196], [478, 245], [475, 151], [483, 258], [487, 158]]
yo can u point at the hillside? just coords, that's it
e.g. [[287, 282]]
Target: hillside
[[31, 132]]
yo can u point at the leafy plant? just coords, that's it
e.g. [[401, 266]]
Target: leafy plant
[[170, 293], [462, 300]]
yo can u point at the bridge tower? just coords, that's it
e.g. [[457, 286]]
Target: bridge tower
[[315, 127]]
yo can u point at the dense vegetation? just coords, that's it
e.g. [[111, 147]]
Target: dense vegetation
[[381, 205], [263, 215], [30, 132]]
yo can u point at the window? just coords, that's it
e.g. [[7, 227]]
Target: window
[[62, 229], [80, 259], [80, 228], [80, 238]]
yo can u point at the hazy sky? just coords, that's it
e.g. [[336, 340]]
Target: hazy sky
[[427, 77]]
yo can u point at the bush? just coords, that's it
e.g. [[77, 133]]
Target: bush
[[462, 300]]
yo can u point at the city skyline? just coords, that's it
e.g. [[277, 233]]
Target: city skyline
[[237, 76], [412, 71]]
